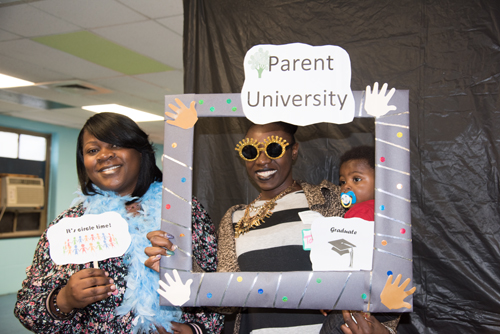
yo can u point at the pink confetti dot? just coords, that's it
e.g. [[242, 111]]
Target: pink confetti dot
[[403, 231], [167, 206], [382, 159]]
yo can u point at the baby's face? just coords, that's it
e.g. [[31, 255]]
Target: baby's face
[[359, 177]]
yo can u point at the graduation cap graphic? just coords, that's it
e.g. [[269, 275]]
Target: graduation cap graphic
[[342, 246]]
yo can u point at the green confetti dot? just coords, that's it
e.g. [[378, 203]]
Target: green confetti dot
[[212, 109], [363, 296], [285, 299], [234, 108], [318, 280], [201, 102], [228, 101]]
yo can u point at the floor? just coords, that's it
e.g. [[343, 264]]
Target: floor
[[8, 322]]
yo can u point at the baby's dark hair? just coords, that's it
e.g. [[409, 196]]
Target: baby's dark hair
[[366, 153]]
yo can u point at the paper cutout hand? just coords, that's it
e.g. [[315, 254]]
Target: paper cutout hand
[[376, 104], [393, 296], [175, 292], [184, 117]]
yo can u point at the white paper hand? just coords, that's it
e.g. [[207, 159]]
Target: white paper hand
[[175, 291], [377, 104]]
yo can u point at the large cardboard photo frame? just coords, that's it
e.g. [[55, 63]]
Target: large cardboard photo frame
[[352, 290]]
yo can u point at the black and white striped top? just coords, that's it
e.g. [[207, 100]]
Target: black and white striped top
[[276, 245]]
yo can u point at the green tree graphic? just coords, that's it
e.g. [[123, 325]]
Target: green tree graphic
[[259, 61]]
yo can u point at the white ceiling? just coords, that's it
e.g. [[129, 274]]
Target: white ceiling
[[152, 28]]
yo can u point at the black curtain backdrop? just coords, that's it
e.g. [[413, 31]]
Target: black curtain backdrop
[[447, 54]]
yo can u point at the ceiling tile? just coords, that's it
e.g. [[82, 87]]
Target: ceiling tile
[[171, 81], [5, 35], [131, 101], [28, 71], [156, 8], [133, 86], [9, 108], [28, 21], [72, 117], [55, 60], [90, 13], [174, 23], [147, 38], [56, 96], [101, 51]]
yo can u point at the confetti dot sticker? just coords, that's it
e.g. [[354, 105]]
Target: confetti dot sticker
[[239, 279], [228, 101], [183, 180], [234, 108], [382, 207], [403, 231], [318, 280], [382, 159], [285, 299], [167, 206], [201, 102], [389, 273], [400, 134], [363, 296], [212, 109], [399, 186], [384, 242], [174, 145], [181, 235], [260, 291], [209, 295]]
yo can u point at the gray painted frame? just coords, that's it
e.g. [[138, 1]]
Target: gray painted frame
[[357, 290]]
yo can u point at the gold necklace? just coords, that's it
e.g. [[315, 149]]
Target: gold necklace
[[264, 211]]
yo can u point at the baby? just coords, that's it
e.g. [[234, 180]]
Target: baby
[[357, 182]]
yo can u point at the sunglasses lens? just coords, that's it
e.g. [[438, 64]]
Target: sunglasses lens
[[274, 150], [249, 152]]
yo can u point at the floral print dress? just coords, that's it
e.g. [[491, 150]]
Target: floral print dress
[[44, 275]]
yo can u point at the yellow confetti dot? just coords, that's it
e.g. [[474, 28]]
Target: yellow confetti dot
[[239, 279], [174, 145], [384, 243], [400, 134], [399, 186]]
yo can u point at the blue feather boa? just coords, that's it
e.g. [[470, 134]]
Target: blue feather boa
[[140, 296]]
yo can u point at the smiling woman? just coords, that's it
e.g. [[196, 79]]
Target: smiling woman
[[115, 154], [111, 167], [117, 173]]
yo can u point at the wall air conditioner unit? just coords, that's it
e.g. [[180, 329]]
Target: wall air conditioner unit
[[22, 192]]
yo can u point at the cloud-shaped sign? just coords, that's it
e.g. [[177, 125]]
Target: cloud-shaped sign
[[88, 238], [297, 83]]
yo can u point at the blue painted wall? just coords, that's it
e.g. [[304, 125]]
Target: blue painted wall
[[17, 254]]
